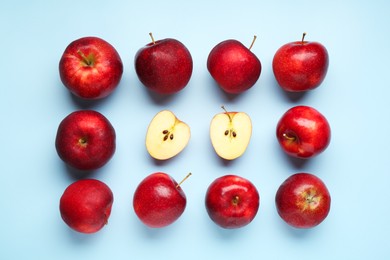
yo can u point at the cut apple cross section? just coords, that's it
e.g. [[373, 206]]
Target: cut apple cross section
[[167, 136], [230, 133]]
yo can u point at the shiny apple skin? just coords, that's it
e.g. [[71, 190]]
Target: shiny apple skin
[[232, 201], [293, 196], [300, 66], [85, 205], [85, 140], [158, 201], [94, 81], [303, 132], [233, 66], [164, 66]]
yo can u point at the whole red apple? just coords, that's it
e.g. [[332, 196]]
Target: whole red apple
[[233, 66], [232, 201], [303, 132], [164, 66], [303, 200], [85, 205], [85, 140], [90, 68], [159, 200], [301, 65]]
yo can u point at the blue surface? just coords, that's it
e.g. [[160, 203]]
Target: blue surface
[[354, 98]]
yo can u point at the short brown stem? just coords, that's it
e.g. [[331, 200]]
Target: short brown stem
[[289, 137], [88, 62], [151, 36], [185, 178], [303, 37], [253, 42]]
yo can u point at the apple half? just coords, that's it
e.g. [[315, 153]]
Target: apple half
[[230, 133], [166, 136]]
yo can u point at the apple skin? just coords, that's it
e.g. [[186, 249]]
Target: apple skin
[[158, 200], [233, 66], [85, 205], [303, 132], [300, 66], [232, 201], [164, 66], [303, 200], [85, 140], [90, 68]]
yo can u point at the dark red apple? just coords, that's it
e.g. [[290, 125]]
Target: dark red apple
[[301, 65], [303, 132], [233, 66], [90, 68], [164, 66], [159, 200], [85, 205], [303, 200], [85, 140], [232, 201]]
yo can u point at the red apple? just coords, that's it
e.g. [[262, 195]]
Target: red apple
[[159, 200], [232, 201], [85, 140], [303, 200], [303, 132], [85, 205], [233, 66], [301, 65], [164, 66], [90, 68]]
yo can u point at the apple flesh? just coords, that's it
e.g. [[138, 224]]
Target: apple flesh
[[90, 68], [166, 136], [233, 66], [301, 65], [303, 132], [303, 200], [159, 200], [85, 140], [230, 133], [232, 201], [164, 66], [85, 205]]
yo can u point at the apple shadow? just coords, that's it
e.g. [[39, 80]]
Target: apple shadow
[[160, 99], [76, 174], [88, 103], [290, 96], [227, 97], [299, 233]]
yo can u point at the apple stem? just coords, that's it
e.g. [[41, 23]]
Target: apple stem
[[289, 137], [253, 42], [223, 107], [185, 178], [303, 37], [87, 61], [151, 36]]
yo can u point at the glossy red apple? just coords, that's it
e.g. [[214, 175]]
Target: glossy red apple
[[85, 140], [301, 65], [85, 205], [303, 132], [232, 201], [164, 66], [303, 200], [90, 68], [159, 200], [233, 66]]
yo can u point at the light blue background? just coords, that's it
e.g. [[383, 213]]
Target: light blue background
[[354, 98]]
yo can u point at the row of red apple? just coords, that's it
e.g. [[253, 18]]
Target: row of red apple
[[91, 68], [86, 140], [231, 201]]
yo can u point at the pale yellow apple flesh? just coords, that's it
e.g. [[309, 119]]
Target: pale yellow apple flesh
[[166, 136], [230, 133]]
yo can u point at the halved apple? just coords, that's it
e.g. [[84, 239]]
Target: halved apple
[[166, 136], [230, 133]]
